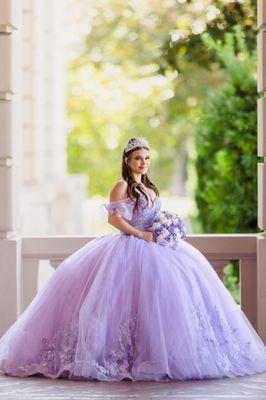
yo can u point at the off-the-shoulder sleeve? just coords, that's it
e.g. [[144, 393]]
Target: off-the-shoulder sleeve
[[124, 207]]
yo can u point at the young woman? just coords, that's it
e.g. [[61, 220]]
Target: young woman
[[125, 307]]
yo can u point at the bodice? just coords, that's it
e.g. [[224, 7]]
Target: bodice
[[143, 215]]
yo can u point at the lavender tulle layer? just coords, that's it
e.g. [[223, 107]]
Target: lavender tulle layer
[[121, 307]]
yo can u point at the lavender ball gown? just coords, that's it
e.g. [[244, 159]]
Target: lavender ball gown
[[121, 307]]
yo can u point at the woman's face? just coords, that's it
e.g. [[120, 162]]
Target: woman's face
[[139, 161]]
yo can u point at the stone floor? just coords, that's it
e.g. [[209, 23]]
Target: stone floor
[[249, 387]]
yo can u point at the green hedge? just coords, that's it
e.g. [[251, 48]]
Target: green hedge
[[226, 144]]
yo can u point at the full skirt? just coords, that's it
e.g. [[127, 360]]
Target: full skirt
[[121, 307]]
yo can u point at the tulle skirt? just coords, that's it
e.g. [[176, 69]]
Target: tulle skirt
[[121, 307]]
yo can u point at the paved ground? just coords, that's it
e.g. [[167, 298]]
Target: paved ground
[[250, 387]]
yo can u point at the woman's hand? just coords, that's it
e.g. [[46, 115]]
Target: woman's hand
[[146, 235]]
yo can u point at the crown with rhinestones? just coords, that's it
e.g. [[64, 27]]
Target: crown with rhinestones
[[136, 142]]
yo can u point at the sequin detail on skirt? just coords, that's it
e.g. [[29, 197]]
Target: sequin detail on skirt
[[218, 340], [57, 352], [121, 358]]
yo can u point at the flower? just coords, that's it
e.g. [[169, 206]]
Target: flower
[[165, 232], [160, 239], [177, 233], [168, 229]]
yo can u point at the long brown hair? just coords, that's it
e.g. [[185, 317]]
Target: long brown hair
[[133, 185]]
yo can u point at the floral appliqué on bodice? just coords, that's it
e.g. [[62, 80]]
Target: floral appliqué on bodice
[[141, 218]]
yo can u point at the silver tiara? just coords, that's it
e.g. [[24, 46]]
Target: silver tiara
[[136, 142]]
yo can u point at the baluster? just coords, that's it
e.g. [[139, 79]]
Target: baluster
[[248, 288], [55, 263], [28, 283], [219, 266]]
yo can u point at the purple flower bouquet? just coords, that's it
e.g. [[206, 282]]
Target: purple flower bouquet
[[168, 229]]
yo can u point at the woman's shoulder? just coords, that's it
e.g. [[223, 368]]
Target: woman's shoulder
[[119, 191], [119, 202]]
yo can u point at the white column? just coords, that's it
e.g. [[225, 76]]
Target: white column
[[55, 91], [10, 161], [261, 239], [43, 92]]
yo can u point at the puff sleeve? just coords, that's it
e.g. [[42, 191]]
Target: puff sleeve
[[124, 207]]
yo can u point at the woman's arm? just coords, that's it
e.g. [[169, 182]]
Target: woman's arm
[[119, 192], [118, 222]]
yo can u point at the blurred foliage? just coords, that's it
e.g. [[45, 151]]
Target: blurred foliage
[[122, 80], [185, 44], [116, 91], [231, 279], [226, 142]]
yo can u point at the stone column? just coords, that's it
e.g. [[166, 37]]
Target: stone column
[[261, 238], [10, 162]]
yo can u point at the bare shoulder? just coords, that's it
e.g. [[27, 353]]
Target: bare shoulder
[[119, 191]]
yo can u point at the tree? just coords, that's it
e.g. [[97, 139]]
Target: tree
[[185, 45]]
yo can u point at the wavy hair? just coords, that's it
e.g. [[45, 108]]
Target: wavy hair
[[133, 188]]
